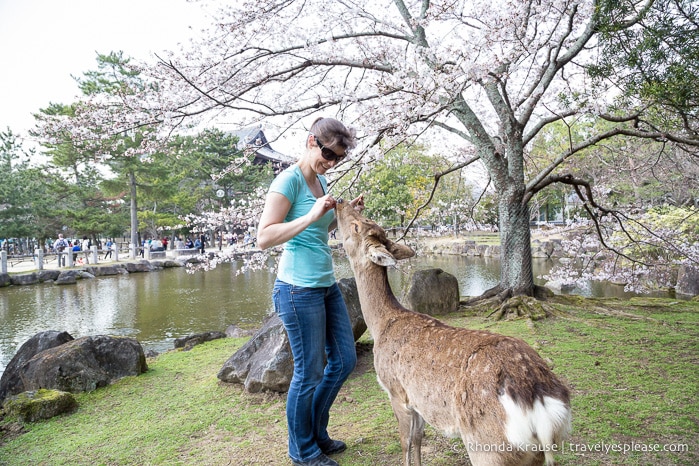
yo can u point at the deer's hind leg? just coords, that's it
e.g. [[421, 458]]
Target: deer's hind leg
[[411, 427]]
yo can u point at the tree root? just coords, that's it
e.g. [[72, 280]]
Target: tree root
[[498, 303]]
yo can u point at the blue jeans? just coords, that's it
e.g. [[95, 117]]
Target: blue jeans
[[319, 327]]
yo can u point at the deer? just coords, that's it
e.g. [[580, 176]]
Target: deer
[[492, 390]]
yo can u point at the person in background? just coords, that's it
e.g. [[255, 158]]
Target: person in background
[[298, 213], [60, 246], [108, 245], [76, 250]]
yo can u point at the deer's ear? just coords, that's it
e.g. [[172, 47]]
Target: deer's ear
[[399, 251], [379, 255]]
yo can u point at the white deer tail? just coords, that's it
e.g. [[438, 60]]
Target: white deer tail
[[543, 427]]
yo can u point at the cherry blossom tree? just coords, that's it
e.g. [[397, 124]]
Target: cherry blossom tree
[[479, 80]]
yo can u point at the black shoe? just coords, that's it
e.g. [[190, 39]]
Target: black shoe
[[333, 447], [320, 460]]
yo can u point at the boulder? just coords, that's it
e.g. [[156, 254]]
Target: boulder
[[48, 275], [348, 287], [140, 266], [542, 250], [432, 292], [83, 364], [39, 404], [688, 281], [265, 362], [171, 263], [25, 279], [11, 381], [69, 277], [106, 270], [190, 341]]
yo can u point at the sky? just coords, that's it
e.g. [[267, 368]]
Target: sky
[[44, 42]]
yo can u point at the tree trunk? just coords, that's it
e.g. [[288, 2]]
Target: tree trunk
[[134, 210], [515, 238]]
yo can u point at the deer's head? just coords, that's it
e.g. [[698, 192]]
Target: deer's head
[[363, 239]]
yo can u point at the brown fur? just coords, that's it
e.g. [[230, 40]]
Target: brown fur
[[449, 377]]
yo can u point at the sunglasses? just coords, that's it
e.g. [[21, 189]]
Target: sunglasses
[[328, 154]]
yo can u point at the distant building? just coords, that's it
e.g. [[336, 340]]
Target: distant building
[[253, 138]]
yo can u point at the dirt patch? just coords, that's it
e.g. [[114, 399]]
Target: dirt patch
[[10, 431]]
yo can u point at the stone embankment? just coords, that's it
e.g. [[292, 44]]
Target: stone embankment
[[685, 283], [26, 273], [71, 275], [541, 249]]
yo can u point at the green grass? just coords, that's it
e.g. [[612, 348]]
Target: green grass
[[631, 365]]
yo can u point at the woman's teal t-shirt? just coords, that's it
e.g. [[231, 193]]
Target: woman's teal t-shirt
[[306, 260]]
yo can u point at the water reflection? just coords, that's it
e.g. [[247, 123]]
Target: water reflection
[[158, 307]]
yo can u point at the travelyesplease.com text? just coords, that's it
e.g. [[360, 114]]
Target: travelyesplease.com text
[[597, 447]]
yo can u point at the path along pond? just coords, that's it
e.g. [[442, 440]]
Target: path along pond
[[158, 307]]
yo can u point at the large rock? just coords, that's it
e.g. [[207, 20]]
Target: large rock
[[48, 275], [688, 281], [433, 292], [106, 270], [25, 279], [140, 266], [348, 287], [70, 277], [265, 362], [11, 381], [40, 404], [83, 364]]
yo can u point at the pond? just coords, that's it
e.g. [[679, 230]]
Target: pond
[[158, 307]]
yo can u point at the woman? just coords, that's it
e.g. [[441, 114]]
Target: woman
[[298, 211]]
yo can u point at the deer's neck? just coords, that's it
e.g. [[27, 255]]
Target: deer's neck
[[379, 304]]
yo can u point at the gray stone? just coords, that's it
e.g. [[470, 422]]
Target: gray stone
[[542, 250], [68, 277], [11, 381], [190, 341], [140, 266], [39, 404], [25, 279], [432, 292], [48, 275], [688, 281], [170, 263], [106, 270], [348, 287], [264, 363], [5, 280], [83, 364]]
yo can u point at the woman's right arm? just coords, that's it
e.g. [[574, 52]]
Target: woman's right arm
[[272, 230]]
